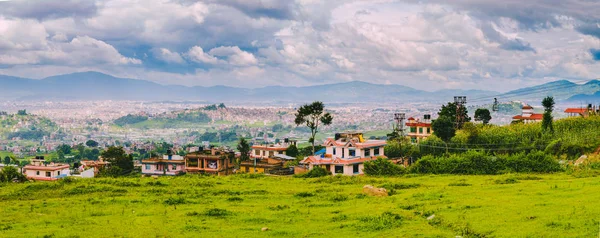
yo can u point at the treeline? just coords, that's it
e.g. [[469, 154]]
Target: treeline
[[28, 135], [193, 117], [130, 119]]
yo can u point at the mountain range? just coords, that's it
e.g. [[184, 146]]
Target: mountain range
[[98, 86]]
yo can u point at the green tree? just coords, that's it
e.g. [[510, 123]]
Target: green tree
[[6, 160], [547, 119], [22, 112], [443, 128], [10, 173], [449, 111], [91, 143], [311, 115], [118, 159], [292, 151], [66, 149], [244, 149], [382, 167], [483, 115]]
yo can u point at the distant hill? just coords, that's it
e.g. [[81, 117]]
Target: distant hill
[[585, 98], [98, 86]]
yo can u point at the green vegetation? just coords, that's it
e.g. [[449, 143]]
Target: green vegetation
[[312, 115], [130, 119], [512, 205], [382, 167], [26, 127]]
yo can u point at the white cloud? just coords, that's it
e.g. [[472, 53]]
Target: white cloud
[[197, 54], [234, 55], [167, 56]]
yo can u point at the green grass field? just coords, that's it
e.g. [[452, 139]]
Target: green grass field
[[511, 205]]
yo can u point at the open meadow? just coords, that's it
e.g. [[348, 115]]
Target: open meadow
[[509, 205]]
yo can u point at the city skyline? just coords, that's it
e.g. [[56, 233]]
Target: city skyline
[[427, 45]]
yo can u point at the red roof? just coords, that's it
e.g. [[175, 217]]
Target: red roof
[[421, 124], [411, 118], [534, 116], [576, 110], [269, 148], [527, 107]]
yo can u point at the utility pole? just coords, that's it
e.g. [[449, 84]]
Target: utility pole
[[399, 118], [460, 101], [495, 107]]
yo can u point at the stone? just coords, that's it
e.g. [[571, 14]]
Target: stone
[[581, 160], [431, 217], [373, 191], [264, 229]]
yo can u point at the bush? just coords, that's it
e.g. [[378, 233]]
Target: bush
[[537, 161], [10, 173], [316, 172], [382, 167]]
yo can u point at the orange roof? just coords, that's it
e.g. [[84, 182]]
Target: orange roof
[[411, 118], [527, 107], [352, 143], [421, 124], [269, 148], [576, 110], [532, 117]]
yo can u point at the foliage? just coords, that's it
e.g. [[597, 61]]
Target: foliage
[[193, 117], [382, 167], [483, 115], [311, 115], [314, 173], [7, 160], [10, 173], [449, 111], [28, 134], [292, 151], [307, 151], [91, 143], [120, 162], [22, 112], [244, 148], [401, 149], [130, 119], [547, 119], [443, 128]]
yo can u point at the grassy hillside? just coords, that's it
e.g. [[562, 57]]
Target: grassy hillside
[[510, 205]]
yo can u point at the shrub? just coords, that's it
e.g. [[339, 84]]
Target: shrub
[[217, 212], [304, 194], [382, 167], [536, 161], [386, 220], [175, 201], [316, 172]]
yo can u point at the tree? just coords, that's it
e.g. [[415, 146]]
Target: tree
[[22, 112], [311, 115], [548, 104], [91, 143], [449, 111], [483, 115], [244, 149], [66, 149], [443, 128], [118, 159], [292, 151], [6, 160], [10, 173]]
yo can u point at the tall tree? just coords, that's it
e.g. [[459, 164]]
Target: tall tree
[[312, 115], [6, 160], [118, 159], [548, 104], [483, 115], [292, 151], [443, 128], [91, 143], [450, 110], [244, 149]]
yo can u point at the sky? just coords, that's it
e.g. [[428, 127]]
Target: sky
[[429, 45]]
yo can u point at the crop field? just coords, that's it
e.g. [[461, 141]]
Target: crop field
[[510, 205]]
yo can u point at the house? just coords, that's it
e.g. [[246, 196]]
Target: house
[[211, 161], [346, 153], [269, 151], [40, 169], [97, 165], [270, 165], [419, 129], [527, 115], [574, 112], [167, 165]]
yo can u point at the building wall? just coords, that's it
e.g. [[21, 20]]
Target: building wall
[[169, 170], [42, 173]]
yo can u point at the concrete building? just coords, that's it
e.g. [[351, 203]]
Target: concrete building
[[39, 169], [528, 116], [419, 129], [167, 165], [211, 161], [346, 153]]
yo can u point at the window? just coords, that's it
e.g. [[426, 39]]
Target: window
[[271, 154], [428, 130], [352, 152], [339, 169], [147, 167], [190, 163], [174, 167], [48, 174], [333, 151], [376, 151], [420, 130], [355, 168], [367, 152], [256, 152], [413, 139], [57, 173], [37, 173], [157, 167], [343, 153], [202, 163], [413, 129], [328, 167]]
